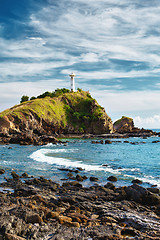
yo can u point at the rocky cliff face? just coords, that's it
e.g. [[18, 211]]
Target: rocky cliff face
[[74, 112], [124, 125]]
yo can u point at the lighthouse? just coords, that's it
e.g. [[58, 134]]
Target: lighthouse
[[72, 75]]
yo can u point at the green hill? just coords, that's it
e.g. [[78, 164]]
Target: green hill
[[68, 113]]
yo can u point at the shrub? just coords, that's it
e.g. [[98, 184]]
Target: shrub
[[24, 99], [32, 98]]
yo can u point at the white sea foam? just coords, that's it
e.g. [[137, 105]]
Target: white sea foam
[[41, 156], [129, 169], [44, 155], [147, 179]]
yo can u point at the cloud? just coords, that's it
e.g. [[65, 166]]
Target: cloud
[[111, 45], [140, 105], [89, 32], [148, 122], [11, 93]]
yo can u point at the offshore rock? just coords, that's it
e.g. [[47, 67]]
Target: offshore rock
[[125, 125], [112, 179], [2, 171]]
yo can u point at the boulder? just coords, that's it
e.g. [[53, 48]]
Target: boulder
[[15, 175], [142, 195], [79, 178], [137, 181], [110, 186], [2, 171], [25, 175], [93, 179], [108, 142], [34, 219], [112, 179]]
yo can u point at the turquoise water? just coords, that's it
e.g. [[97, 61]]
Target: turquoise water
[[124, 160]]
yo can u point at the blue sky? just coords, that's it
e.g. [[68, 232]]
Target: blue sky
[[113, 46]]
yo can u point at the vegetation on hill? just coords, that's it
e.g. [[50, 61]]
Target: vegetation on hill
[[128, 119], [55, 93], [61, 111]]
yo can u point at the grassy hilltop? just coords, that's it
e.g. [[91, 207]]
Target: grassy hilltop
[[70, 112]]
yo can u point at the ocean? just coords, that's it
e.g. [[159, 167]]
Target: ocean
[[139, 158]]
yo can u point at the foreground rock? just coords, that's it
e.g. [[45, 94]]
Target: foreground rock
[[42, 209]]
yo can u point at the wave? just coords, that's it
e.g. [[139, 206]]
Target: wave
[[44, 155], [41, 156], [146, 179]]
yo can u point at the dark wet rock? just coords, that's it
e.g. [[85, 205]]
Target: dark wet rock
[[85, 177], [15, 175], [104, 165], [154, 190], [79, 178], [80, 169], [108, 142], [25, 191], [2, 171], [112, 179], [137, 181], [110, 185], [69, 174], [97, 142], [128, 232], [25, 175], [155, 141], [142, 195], [74, 183], [93, 179], [34, 219]]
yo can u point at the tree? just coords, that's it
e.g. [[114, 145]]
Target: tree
[[24, 99], [32, 98]]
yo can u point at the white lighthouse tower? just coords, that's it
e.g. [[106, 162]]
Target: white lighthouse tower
[[72, 75]]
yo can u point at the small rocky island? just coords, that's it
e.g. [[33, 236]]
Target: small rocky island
[[60, 113]]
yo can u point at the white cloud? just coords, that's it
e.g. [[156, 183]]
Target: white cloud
[[75, 33], [148, 122], [11, 93]]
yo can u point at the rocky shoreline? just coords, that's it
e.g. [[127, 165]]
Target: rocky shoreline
[[37, 208], [34, 139]]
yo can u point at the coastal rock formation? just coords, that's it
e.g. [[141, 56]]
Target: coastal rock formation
[[126, 125], [123, 125], [68, 113], [39, 208]]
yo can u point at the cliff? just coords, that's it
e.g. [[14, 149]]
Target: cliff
[[69, 113]]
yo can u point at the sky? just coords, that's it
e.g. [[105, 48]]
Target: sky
[[113, 47]]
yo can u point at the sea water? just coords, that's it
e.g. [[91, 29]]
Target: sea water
[[126, 161]]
